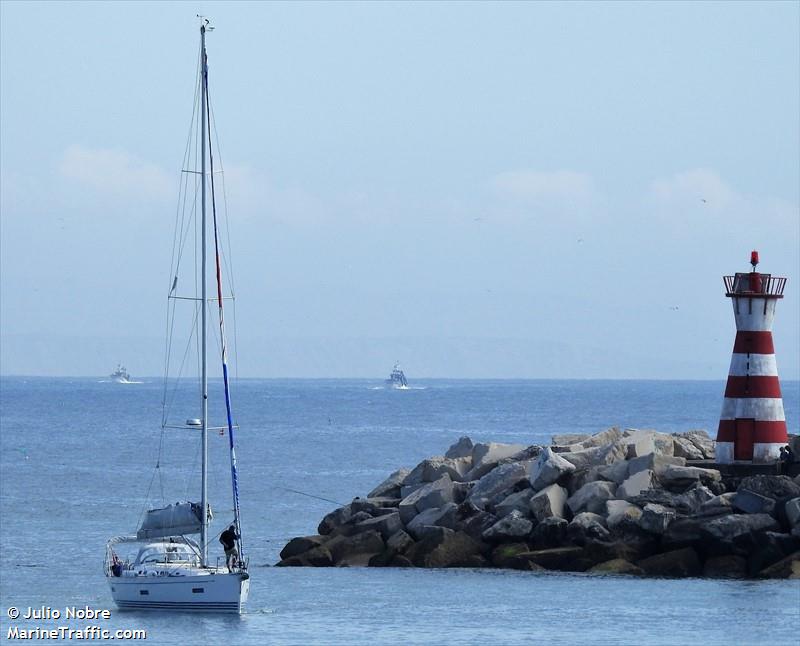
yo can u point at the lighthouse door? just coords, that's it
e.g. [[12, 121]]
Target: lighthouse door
[[745, 433]]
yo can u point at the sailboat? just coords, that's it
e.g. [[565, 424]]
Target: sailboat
[[166, 566]]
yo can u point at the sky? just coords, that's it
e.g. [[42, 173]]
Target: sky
[[478, 190]]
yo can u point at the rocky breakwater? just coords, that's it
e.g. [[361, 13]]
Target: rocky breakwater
[[611, 503]]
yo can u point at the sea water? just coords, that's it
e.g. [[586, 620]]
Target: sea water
[[78, 460]]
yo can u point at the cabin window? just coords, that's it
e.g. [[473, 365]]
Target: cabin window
[[143, 592], [198, 590]]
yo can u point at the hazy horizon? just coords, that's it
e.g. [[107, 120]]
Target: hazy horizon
[[476, 190]]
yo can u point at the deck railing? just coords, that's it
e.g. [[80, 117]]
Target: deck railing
[[740, 285]]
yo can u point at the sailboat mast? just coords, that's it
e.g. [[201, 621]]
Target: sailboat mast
[[203, 302]]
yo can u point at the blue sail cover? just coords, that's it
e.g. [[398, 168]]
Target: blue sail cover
[[231, 436]]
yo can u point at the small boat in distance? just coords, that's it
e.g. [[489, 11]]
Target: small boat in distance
[[397, 379], [120, 375]]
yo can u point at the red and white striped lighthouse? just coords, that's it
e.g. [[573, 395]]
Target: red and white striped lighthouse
[[752, 425]]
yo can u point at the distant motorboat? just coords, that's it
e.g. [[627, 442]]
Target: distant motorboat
[[397, 379], [120, 375]]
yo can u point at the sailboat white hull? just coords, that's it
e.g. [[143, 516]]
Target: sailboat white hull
[[214, 592]]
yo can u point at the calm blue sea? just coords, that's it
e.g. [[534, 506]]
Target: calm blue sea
[[78, 459]]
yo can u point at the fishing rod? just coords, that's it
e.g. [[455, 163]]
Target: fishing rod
[[303, 493]]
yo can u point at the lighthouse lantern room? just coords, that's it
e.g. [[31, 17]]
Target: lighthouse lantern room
[[752, 426]]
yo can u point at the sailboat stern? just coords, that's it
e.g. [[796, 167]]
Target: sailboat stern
[[213, 592]]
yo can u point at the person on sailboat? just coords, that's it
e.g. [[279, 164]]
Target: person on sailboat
[[228, 539]]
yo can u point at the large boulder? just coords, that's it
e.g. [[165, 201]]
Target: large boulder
[[602, 438], [703, 442], [616, 472], [335, 519], [513, 527], [445, 549], [548, 469], [616, 566], [564, 559], [486, 456], [369, 506], [751, 502], [456, 468], [300, 545], [460, 449], [677, 563], [565, 439], [596, 456], [662, 442], [636, 484], [505, 555], [787, 568], [679, 478], [639, 444], [683, 447], [725, 566], [517, 501], [551, 532], [697, 494], [475, 524], [382, 504], [718, 505], [498, 483], [356, 549], [399, 542], [587, 526], [685, 503], [431, 469], [792, 510], [656, 518], [444, 516], [528, 453], [633, 548], [548, 502], [592, 497], [399, 560], [461, 491], [622, 515], [579, 478], [407, 490], [432, 494], [771, 548], [737, 533], [318, 556], [391, 486], [778, 488], [415, 476], [654, 462], [385, 525], [683, 532]]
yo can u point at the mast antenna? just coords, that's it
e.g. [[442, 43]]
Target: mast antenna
[[205, 23]]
